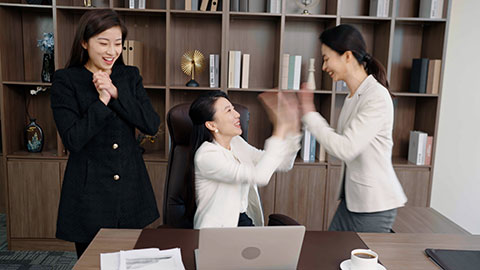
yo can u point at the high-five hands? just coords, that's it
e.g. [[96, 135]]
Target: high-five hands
[[105, 88], [305, 95], [283, 112]]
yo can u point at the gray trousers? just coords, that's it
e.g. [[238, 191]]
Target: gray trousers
[[379, 222]]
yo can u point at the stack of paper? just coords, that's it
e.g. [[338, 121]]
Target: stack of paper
[[142, 259]]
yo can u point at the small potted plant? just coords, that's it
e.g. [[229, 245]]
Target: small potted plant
[[46, 44]]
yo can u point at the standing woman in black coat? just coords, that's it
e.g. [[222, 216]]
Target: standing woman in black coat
[[97, 103]]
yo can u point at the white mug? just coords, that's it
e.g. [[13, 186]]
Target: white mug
[[363, 259]]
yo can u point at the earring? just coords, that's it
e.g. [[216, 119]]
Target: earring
[[216, 130]]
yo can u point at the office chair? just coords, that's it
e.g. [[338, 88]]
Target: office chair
[[175, 204]]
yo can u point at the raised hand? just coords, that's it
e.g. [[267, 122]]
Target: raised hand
[[283, 112], [102, 81], [305, 96]]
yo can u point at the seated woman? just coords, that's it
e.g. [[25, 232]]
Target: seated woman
[[227, 169]]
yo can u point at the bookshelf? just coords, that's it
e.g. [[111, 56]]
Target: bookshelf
[[307, 193]]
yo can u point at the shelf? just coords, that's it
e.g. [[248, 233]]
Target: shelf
[[153, 86], [416, 19], [408, 94], [137, 10], [365, 18], [25, 5], [200, 88], [310, 17], [256, 15], [300, 162], [75, 8], [402, 162], [27, 83], [195, 13], [45, 154], [251, 90]]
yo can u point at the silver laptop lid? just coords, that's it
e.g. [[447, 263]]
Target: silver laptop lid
[[275, 247]]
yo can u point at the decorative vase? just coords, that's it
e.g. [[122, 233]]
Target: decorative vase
[[48, 67], [311, 75], [33, 137]]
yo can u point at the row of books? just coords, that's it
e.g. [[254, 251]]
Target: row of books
[[291, 69], [420, 148], [425, 75], [309, 149], [238, 69], [432, 9], [133, 53], [202, 5], [140, 4]]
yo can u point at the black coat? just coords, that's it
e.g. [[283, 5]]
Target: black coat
[[106, 184]]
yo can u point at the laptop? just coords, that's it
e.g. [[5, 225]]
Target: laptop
[[274, 247]]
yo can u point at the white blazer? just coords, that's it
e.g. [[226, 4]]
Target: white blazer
[[220, 174], [364, 144]]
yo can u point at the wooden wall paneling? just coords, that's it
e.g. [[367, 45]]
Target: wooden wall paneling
[[157, 98], [433, 40], [415, 183], [259, 126], [150, 29], [14, 119], [3, 187], [185, 36], [355, 8], [300, 194], [34, 24], [406, 46], [404, 122], [323, 103], [157, 173], [267, 197], [331, 197], [302, 38], [408, 8], [34, 193], [259, 38], [184, 96], [425, 115], [67, 21], [12, 51]]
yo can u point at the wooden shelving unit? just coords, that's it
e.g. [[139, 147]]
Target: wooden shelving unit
[[33, 181]]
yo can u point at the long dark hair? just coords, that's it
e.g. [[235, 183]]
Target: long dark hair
[[344, 38], [92, 23], [201, 111]]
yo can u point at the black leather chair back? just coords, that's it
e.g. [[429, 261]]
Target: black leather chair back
[[176, 184]]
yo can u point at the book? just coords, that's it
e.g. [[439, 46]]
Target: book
[[141, 4], [313, 145], [130, 3], [379, 8], [237, 69], [291, 71], [180, 4], [231, 67], [135, 54], [243, 6], [418, 78], [285, 60], [297, 70], [194, 5], [256, 6], [321, 154], [428, 150], [416, 147], [245, 70], [188, 4], [433, 77], [305, 150], [214, 6], [234, 5], [432, 9], [125, 52], [214, 70], [204, 5], [452, 259]]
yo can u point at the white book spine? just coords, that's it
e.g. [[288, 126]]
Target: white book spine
[[306, 145], [313, 144], [217, 70], [141, 4], [231, 68], [296, 75], [286, 58], [245, 70], [422, 148], [212, 70], [386, 8], [131, 4], [238, 61]]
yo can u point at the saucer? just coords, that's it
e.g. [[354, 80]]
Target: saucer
[[345, 265]]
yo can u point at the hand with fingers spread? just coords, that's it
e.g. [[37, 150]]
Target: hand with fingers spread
[[305, 96], [104, 86], [282, 110]]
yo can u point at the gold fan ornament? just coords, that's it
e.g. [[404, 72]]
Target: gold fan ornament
[[192, 64]]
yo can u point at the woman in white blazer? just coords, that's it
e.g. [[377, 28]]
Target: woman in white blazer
[[370, 191], [227, 170]]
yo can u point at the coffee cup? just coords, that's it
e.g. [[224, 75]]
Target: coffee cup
[[363, 259]]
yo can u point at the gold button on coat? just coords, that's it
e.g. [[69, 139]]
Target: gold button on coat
[[116, 177], [115, 146]]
